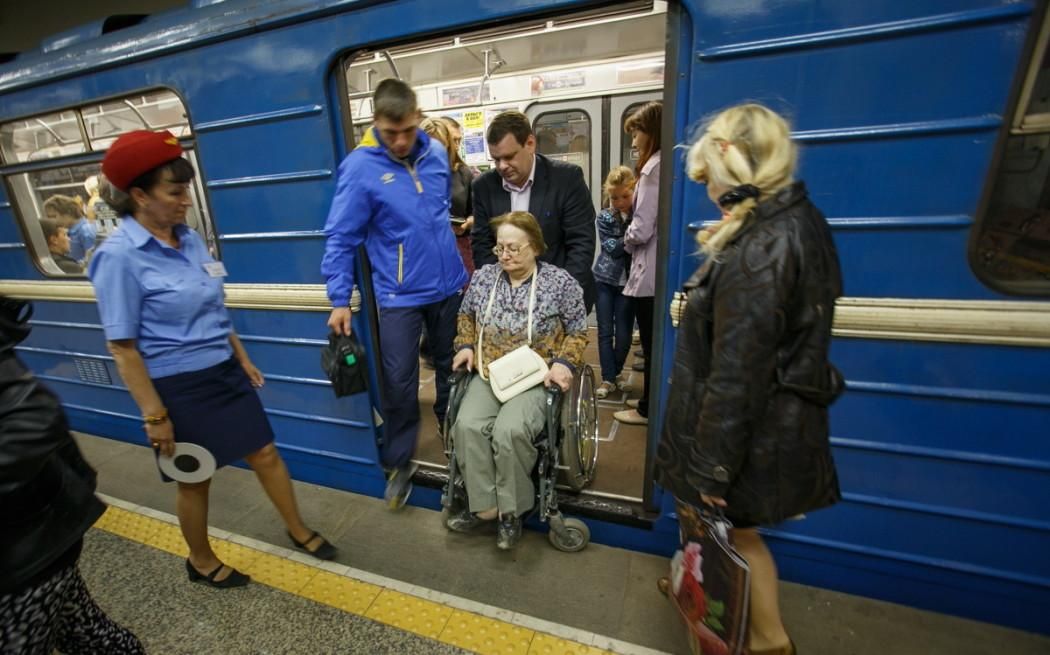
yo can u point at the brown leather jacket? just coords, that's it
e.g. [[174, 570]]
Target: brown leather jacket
[[747, 416]]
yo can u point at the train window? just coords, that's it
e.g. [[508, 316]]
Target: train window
[[156, 110], [628, 153], [565, 135], [57, 202], [64, 220], [41, 137], [91, 127], [1010, 247]]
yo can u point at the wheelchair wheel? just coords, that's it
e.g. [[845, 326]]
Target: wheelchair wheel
[[574, 536], [579, 441]]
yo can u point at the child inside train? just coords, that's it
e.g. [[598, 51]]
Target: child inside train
[[615, 311]]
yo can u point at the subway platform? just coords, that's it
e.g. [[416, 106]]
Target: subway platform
[[403, 584]]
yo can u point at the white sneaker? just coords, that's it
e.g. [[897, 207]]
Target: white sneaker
[[631, 417], [622, 384], [604, 389]]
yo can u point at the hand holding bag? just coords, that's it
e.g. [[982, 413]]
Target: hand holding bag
[[522, 368], [710, 583], [343, 361]]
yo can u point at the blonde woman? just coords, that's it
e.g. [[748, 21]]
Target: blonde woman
[[615, 311], [461, 209], [747, 418]]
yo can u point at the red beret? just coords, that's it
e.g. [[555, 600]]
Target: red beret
[[138, 152]]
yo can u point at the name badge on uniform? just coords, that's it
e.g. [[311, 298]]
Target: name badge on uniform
[[215, 269]]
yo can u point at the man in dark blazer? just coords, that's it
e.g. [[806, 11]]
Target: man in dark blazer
[[552, 191]]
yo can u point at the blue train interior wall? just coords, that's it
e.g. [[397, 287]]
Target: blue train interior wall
[[942, 448]]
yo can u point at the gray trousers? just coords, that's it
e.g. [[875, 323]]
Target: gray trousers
[[494, 446]]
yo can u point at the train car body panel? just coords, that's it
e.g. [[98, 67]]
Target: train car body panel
[[941, 447]]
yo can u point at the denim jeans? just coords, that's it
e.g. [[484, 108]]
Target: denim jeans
[[615, 324]]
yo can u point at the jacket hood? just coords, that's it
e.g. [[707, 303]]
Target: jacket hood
[[14, 322]]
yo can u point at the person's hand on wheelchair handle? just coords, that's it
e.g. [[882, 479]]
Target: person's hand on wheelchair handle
[[464, 359], [560, 374]]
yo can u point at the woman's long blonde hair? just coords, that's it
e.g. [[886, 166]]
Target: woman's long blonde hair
[[439, 130], [746, 144]]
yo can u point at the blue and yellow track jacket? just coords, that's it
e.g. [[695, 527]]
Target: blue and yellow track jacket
[[399, 210]]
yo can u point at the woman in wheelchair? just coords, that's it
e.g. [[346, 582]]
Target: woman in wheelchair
[[518, 302]]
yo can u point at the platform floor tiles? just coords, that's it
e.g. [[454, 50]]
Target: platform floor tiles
[[132, 562], [403, 584]]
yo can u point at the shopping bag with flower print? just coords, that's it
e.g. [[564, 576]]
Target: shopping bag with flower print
[[710, 583]]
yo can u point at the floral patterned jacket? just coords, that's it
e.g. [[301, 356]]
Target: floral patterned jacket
[[559, 331]]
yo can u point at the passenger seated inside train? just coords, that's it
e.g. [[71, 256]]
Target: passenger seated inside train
[[57, 238], [68, 212], [517, 302]]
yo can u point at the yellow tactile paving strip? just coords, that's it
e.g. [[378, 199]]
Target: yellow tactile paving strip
[[466, 630]]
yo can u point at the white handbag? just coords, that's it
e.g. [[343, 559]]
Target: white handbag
[[522, 368]]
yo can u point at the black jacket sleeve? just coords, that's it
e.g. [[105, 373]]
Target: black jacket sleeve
[[481, 236], [577, 221], [468, 183], [32, 425]]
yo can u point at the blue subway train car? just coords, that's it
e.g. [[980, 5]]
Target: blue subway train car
[[925, 138]]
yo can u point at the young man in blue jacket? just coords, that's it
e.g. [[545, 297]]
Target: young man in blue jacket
[[392, 196]]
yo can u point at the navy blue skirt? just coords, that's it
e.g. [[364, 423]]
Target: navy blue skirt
[[217, 408]]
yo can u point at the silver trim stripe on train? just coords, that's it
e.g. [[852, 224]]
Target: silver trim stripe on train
[[994, 322]]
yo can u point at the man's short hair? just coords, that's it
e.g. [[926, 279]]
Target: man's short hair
[[394, 100], [63, 205], [509, 122], [50, 227]]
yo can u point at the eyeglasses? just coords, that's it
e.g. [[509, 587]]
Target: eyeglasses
[[512, 249]]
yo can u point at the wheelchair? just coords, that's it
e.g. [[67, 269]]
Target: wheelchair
[[567, 453]]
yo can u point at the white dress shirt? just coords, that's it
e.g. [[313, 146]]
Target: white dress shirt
[[520, 196]]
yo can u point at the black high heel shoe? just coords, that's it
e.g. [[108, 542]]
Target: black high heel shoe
[[234, 579], [325, 550]]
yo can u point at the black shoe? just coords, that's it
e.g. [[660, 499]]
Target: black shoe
[[509, 532], [324, 550], [638, 365], [464, 521], [639, 353], [234, 579]]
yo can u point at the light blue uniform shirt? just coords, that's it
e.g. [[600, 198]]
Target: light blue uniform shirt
[[81, 239], [162, 297]]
